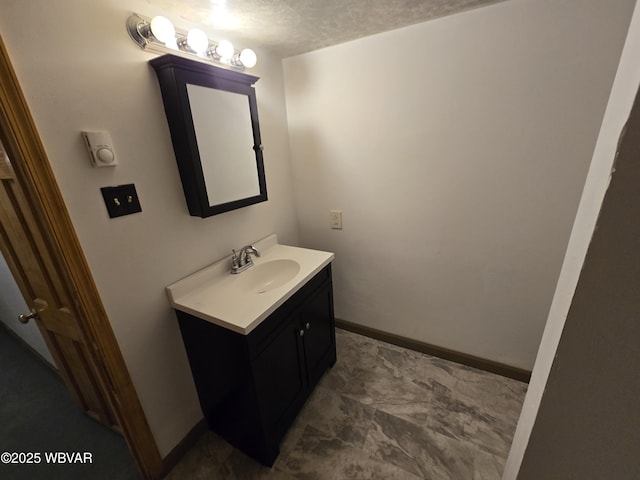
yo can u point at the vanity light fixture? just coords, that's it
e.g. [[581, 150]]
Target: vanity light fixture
[[160, 36]]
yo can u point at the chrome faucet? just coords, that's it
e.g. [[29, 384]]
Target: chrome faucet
[[242, 260]]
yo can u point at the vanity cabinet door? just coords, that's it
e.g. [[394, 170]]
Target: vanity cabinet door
[[319, 333], [278, 373]]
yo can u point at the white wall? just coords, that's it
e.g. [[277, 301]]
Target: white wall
[[623, 92], [457, 150], [588, 423], [11, 305], [80, 71]]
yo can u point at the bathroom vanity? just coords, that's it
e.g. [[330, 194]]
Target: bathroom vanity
[[258, 342]]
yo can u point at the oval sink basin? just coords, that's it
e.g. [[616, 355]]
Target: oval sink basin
[[269, 275]]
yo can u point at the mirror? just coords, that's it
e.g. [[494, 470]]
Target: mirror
[[213, 120], [228, 139]]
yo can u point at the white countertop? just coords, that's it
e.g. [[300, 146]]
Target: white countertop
[[215, 295]]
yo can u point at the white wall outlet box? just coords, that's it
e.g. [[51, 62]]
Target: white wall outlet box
[[336, 219], [100, 149]]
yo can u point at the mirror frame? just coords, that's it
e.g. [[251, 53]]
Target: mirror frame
[[174, 73]]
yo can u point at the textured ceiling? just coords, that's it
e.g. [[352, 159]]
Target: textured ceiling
[[291, 27]]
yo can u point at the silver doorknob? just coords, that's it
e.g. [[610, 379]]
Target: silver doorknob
[[25, 318]]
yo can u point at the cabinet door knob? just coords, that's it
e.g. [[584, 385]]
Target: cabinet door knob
[[307, 326], [301, 332]]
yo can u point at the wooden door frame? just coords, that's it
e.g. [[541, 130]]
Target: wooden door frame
[[34, 174]]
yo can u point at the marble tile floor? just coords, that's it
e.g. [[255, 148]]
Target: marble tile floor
[[383, 412]]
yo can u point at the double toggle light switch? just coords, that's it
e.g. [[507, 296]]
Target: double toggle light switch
[[121, 200]]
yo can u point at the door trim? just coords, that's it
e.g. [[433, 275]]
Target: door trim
[[34, 174]]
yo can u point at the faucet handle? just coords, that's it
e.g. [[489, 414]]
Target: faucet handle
[[235, 259]]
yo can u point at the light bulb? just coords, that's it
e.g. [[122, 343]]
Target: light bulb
[[173, 44], [248, 58], [197, 40], [163, 29], [225, 49]]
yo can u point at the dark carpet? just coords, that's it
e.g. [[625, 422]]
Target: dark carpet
[[38, 419]]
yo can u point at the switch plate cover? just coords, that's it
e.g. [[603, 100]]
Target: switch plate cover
[[121, 200], [336, 219]]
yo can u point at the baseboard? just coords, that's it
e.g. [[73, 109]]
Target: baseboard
[[458, 357], [174, 456]]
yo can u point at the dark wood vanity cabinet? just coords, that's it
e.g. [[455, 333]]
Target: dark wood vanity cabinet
[[251, 387]]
